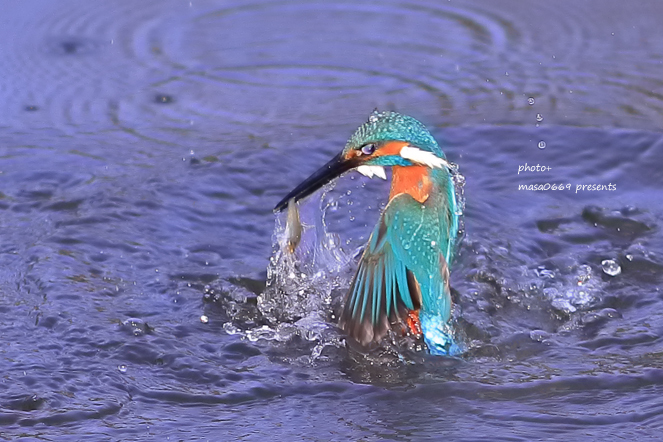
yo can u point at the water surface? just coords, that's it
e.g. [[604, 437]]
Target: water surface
[[144, 144]]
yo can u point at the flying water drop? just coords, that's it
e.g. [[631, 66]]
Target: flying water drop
[[610, 267]]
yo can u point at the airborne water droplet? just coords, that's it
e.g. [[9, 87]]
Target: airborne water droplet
[[122, 368], [530, 101], [542, 144], [610, 267], [539, 118]]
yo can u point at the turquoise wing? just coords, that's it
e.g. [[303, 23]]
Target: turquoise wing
[[403, 268]]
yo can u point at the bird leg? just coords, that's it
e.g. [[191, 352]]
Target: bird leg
[[413, 322]]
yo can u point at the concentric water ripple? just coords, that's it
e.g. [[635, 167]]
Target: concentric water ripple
[[461, 63]]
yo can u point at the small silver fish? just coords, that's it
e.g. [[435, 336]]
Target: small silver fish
[[293, 227]]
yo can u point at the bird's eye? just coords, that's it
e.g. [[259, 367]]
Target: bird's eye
[[368, 149]]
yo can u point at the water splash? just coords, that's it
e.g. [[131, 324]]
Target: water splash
[[576, 290], [300, 283], [306, 283], [459, 187]]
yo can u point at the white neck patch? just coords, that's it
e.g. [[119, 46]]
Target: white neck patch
[[371, 171], [423, 157]]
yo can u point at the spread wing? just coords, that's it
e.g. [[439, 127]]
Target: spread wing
[[402, 268]]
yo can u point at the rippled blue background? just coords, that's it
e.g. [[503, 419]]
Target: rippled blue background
[[144, 144]]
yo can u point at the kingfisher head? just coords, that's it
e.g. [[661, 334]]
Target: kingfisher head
[[386, 139]]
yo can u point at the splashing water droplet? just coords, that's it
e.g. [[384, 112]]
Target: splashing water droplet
[[530, 101], [264, 332], [563, 305], [542, 272], [122, 368], [542, 145], [539, 118], [610, 267], [584, 274], [229, 328], [204, 319], [459, 188]]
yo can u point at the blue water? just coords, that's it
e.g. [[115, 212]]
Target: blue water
[[143, 146]]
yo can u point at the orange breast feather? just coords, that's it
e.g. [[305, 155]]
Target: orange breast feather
[[413, 180]]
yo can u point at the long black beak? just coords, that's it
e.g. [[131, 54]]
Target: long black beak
[[333, 169]]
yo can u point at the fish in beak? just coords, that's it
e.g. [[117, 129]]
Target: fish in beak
[[293, 227]]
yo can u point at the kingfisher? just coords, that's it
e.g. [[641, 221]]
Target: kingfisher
[[402, 280]]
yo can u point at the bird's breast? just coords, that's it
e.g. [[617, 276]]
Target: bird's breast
[[413, 180]]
